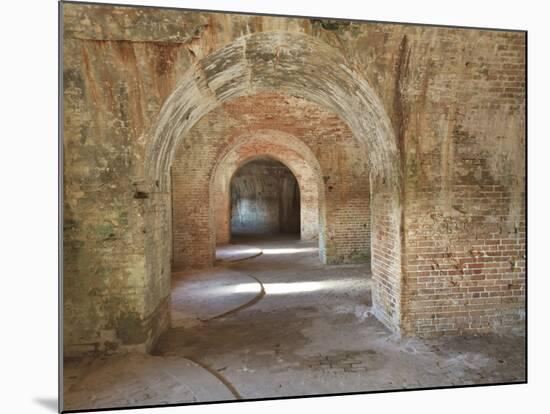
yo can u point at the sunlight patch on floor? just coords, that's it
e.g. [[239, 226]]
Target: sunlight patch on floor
[[292, 287], [286, 250]]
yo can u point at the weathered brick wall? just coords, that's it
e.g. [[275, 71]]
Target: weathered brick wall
[[115, 295], [191, 228], [464, 217], [386, 256], [451, 101], [348, 221]]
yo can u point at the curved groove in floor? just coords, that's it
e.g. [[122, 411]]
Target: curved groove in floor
[[246, 258], [218, 376], [248, 304], [231, 253]]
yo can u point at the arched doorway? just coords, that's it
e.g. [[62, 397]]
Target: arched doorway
[[286, 149], [265, 200]]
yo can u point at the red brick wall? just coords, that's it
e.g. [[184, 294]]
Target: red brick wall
[[348, 237], [471, 279], [465, 195], [386, 255]]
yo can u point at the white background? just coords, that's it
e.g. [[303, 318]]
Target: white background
[[28, 203]]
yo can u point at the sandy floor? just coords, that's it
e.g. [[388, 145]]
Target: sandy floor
[[281, 324]]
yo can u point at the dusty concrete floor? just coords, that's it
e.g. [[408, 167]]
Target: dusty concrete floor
[[282, 324]]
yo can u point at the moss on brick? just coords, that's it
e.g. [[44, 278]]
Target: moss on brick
[[105, 230]]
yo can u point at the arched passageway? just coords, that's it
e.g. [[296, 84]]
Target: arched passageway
[[248, 67], [265, 200], [296, 156], [290, 65]]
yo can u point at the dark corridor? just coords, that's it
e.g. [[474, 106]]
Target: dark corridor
[[265, 199]]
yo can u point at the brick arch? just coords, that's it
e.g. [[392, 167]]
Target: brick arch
[[293, 65], [291, 152]]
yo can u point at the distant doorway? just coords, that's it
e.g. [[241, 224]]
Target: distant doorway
[[265, 200]]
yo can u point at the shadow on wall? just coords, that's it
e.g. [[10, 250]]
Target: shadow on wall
[[265, 199]]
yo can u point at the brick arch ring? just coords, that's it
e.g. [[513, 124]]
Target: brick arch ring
[[288, 63], [288, 150]]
